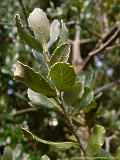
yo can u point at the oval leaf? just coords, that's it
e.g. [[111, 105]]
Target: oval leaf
[[33, 80], [59, 145], [61, 53], [63, 76]]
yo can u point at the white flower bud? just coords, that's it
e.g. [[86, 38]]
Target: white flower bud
[[39, 24]]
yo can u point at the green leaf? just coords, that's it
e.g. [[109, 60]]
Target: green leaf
[[71, 96], [41, 100], [8, 155], [27, 38], [63, 76], [87, 98], [61, 53], [59, 145], [33, 80], [96, 140], [63, 38], [54, 32]]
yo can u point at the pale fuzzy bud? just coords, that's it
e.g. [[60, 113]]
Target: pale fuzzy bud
[[39, 23]]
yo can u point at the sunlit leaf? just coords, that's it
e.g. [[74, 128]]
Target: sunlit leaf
[[61, 53], [63, 76]]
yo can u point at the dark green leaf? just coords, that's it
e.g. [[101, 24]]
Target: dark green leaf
[[26, 37], [59, 145], [61, 53], [33, 80], [71, 96], [63, 76]]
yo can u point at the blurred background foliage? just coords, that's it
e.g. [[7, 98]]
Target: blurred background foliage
[[95, 17]]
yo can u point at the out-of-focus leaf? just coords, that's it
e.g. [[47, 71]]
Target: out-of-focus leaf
[[27, 38], [103, 155], [87, 98], [41, 100], [117, 157], [61, 53], [63, 76], [44, 157], [87, 77], [96, 141], [63, 34], [59, 145], [8, 154], [33, 80], [71, 96], [54, 32]]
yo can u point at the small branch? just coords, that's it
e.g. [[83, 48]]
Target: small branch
[[109, 34], [106, 87], [24, 111], [107, 142], [103, 46], [76, 58]]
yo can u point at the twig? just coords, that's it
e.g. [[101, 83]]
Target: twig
[[107, 142], [102, 47], [109, 34], [24, 111], [76, 58], [106, 87]]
